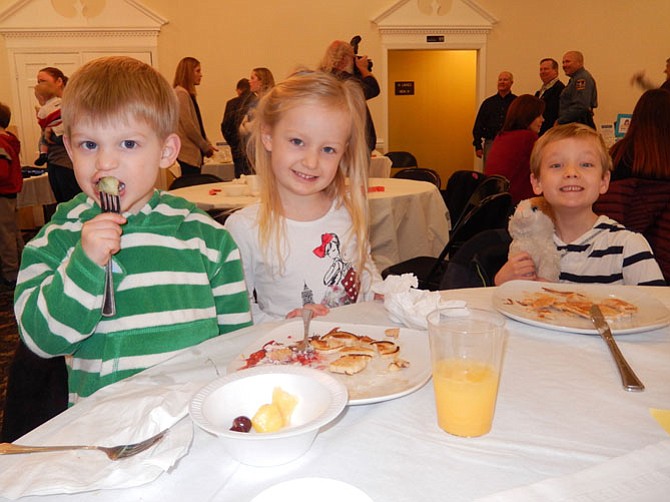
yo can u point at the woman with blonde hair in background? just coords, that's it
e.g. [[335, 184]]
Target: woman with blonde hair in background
[[194, 142]]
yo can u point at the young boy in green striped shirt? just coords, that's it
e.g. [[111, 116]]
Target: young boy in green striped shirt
[[178, 278]]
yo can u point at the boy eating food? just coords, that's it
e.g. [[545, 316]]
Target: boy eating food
[[177, 275]]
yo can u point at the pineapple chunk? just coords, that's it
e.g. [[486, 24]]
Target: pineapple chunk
[[285, 402], [268, 418], [276, 415]]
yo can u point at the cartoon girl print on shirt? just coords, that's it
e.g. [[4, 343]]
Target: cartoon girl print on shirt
[[341, 278]]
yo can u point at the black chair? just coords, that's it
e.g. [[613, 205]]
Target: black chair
[[402, 159], [460, 186], [37, 391], [491, 213], [490, 185], [194, 179], [420, 174], [478, 260]]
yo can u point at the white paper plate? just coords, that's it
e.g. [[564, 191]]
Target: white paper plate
[[310, 489], [368, 386], [651, 313]]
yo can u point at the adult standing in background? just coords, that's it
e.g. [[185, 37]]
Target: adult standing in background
[[194, 142], [339, 60], [261, 81], [230, 126], [491, 115], [550, 92], [580, 96], [59, 166], [510, 153], [640, 79]]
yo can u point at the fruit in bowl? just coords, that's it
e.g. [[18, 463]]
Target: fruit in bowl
[[316, 397]]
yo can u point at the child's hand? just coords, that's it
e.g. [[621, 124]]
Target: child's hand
[[101, 237], [519, 266], [317, 308]]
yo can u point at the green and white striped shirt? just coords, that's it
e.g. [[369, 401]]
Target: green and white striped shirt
[[178, 281]]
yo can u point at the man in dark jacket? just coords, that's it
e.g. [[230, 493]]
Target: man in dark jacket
[[550, 92], [230, 126], [580, 96]]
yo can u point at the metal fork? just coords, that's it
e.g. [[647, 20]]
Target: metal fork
[[304, 345], [109, 204], [113, 452]]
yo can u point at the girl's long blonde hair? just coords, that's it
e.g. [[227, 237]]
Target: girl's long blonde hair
[[304, 88]]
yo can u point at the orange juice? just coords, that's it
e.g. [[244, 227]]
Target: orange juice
[[465, 393]]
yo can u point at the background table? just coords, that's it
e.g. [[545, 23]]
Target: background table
[[36, 193], [560, 410], [407, 219]]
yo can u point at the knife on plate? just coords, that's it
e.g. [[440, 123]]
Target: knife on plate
[[629, 379]]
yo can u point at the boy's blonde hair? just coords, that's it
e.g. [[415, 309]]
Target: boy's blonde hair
[[112, 89], [307, 88], [567, 131]]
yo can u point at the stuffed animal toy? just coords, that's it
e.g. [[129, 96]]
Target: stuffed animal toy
[[532, 230]]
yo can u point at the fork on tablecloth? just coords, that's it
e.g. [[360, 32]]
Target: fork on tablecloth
[[109, 203], [113, 452]]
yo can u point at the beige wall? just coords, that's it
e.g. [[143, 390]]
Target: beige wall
[[230, 37]]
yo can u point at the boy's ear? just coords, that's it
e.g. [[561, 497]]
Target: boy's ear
[[66, 143], [535, 183], [170, 150], [266, 137], [605, 182]]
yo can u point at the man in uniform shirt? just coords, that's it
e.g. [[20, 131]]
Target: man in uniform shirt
[[550, 92], [491, 115], [580, 96]]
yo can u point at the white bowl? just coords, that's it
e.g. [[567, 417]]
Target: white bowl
[[321, 398]]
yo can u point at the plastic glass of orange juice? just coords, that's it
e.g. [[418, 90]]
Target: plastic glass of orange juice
[[466, 350]]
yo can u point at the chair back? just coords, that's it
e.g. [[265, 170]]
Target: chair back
[[194, 179], [420, 174], [490, 185], [478, 260], [460, 186], [402, 159]]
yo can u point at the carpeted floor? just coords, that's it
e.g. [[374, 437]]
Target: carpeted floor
[[9, 337]]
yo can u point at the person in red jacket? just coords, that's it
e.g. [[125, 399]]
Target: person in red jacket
[[11, 182], [510, 154]]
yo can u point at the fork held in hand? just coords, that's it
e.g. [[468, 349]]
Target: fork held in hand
[[109, 204], [113, 452]]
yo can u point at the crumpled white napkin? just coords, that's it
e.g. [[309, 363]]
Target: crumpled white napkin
[[123, 413], [408, 305]]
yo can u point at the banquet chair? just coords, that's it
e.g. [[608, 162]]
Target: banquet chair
[[460, 186], [488, 186], [490, 213], [478, 260], [402, 159], [194, 179], [420, 174], [37, 391]]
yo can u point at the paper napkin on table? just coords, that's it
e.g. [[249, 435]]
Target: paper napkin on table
[[126, 412], [408, 305]]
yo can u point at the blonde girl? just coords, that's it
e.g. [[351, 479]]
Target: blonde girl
[[306, 242]]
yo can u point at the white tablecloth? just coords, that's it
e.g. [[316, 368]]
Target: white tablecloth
[[36, 191], [561, 413], [407, 219], [380, 166]]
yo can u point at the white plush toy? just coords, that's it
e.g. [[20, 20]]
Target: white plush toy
[[532, 231]]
